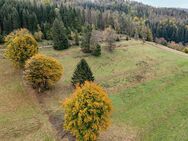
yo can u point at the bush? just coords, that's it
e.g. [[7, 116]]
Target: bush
[[87, 112], [38, 36], [97, 50], [186, 50], [161, 41], [127, 38], [82, 73], [20, 47], [42, 72]]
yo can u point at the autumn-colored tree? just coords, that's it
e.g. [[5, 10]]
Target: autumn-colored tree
[[110, 37], [20, 46], [186, 50], [82, 73], [42, 72], [38, 36], [15, 33], [87, 112]]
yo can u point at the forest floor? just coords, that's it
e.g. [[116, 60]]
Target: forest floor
[[147, 85]]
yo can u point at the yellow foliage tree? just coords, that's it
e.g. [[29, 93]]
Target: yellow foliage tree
[[20, 46], [15, 33], [42, 72], [87, 112]]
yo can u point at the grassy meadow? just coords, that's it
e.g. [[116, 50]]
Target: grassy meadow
[[147, 86]]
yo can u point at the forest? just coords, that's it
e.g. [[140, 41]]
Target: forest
[[130, 18]]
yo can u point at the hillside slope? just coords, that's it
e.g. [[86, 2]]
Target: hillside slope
[[21, 118], [147, 85]]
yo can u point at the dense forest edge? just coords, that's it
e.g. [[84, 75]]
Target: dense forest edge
[[125, 17]]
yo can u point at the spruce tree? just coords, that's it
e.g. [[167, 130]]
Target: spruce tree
[[85, 42], [97, 50], [59, 35], [76, 38], [82, 73]]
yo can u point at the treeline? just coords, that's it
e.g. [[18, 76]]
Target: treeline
[[138, 20], [131, 18]]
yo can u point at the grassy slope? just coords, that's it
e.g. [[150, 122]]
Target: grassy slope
[[146, 84], [20, 114], [148, 87]]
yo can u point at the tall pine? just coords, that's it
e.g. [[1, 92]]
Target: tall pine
[[82, 73], [59, 35], [85, 42]]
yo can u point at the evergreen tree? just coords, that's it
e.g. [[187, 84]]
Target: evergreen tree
[[85, 43], [97, 50], [82, 73], [76, 38], [59, 35]]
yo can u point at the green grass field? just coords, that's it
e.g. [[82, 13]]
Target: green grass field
[[147, 85]]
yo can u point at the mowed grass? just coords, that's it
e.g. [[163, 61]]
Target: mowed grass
[[21, 118], [147, 85]]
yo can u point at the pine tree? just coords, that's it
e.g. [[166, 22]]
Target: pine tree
[[59, 35], [85, 44], [76, 38], [82, 73], [97, 50]]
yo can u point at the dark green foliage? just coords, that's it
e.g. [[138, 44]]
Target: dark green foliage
[[30, 13], [82, 73], [76, 39], [59, 35], [97, 50], [1, 39], [117, 39], [85, 42]]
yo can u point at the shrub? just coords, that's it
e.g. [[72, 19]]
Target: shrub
[[82, 73], [20, 47], [38, 36], [161, 41], [97, 50], [42, 72], [87, 112], [176, 46], [186, 50]]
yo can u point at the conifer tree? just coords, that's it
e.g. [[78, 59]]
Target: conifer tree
[[85, 43], [82, 73], [97, 50], [76, 38], [59, 35]]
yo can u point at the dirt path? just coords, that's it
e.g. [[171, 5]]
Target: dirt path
[[168, 49]]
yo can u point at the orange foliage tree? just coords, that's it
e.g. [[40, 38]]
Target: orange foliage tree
[[87, 112]]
